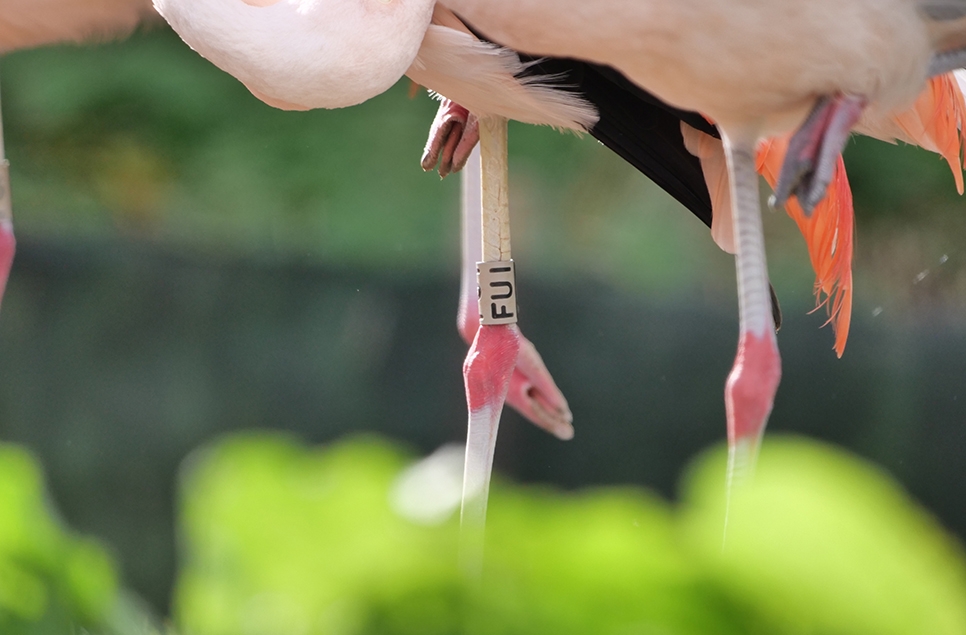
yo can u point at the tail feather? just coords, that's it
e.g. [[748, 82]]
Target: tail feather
[[935, 122], [829, 235], [942, 110], [828, 232], [490, 80]]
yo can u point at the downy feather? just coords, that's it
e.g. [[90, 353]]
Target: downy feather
[[484, 78]]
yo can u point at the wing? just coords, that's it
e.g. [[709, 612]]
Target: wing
[[638, 127]]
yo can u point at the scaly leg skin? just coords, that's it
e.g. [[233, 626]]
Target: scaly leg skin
[[814, 150], [453, 135], [751, 386], [532, 392]]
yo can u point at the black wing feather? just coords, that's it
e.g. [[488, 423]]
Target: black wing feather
[[642, 129], [638, 127]]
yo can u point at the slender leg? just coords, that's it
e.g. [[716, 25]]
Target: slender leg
[[533, 392], [493, 354], [8, 244], [751, 386], [486, 373]]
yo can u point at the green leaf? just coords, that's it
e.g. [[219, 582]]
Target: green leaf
[[821, 542]]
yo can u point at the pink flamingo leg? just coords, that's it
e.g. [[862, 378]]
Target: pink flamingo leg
[[753, 382], [533, 392], [496, 346], [486, 375], [806, 172], [8, 244]]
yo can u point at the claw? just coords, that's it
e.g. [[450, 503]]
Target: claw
[[452, 137], [814, 150]]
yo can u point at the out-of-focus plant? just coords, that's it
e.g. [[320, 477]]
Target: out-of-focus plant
[[278, 538], [50, 581]]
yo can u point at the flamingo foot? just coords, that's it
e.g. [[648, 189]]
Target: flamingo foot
[[452, 137], [749, 396], [814, 150], [534, 394]]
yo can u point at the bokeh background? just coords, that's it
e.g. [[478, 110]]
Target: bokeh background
[[192, 262]]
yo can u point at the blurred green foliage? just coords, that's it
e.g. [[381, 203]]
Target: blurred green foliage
[[280, 538], [50, 580]]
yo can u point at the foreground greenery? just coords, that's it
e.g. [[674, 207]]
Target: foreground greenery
[[50, 580], [282, 538]]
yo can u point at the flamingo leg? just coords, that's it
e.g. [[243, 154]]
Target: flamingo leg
[[753, 381], [8, 244], [533, 392], [493, 355], [486, 374], [814, 149]]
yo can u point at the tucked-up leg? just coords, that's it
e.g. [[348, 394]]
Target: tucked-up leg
[[452, 137]]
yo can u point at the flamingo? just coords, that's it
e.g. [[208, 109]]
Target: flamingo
[[759, 70], [845, 64], [447, 57]]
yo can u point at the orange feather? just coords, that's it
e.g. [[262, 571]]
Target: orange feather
[[829, 235], [947, 126], [935, 122]]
